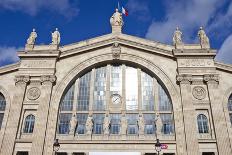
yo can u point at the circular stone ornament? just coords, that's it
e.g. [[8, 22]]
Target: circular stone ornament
[[199, 92], [33, 93]]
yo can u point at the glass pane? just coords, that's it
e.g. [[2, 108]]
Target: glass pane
[[115, 123], [2, 103], [231, 118], [131, 88], [202, 122], [230, 103], [67, 102], [29, 124], [100, 89], [98, 120], [164, 102], [149, 123], [64, 123], [167, 123], [116, 80], [132, 123], [81, 119], [84, 90], [147, 92], [1, 119]]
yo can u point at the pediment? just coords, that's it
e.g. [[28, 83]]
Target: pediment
[[123, 39]]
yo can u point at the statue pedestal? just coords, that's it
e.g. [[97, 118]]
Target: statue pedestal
[[29, 47], [116, 29]]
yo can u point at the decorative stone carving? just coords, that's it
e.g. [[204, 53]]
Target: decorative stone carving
[[211, 78], [177, 37], [204, 40], [46, 79], [89, 125], [73, 124], [199, 92], [21, 79], [31, 40], [116, 22], [106, 125], [56, 37], [33, 93], [116, 50], [141, 124], [123, 125], [184, 78]]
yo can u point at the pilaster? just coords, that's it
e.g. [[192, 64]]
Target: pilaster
[[189, 113], [223, 143], [42, 115], [14, 115]]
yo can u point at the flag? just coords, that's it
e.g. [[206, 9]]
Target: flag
[[124, 11]]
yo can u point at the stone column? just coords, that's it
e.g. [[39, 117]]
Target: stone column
[[189, 115], [219, 119], [42, 115], [14, 115]]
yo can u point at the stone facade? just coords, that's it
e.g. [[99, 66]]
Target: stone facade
[[195, 82]]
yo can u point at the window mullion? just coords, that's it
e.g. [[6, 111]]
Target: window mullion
[[91, 94]]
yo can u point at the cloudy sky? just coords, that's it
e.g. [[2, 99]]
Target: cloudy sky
[[82, 19]]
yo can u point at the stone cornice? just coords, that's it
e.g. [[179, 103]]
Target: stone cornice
[[9, 68], [184, 78], [224, 67]]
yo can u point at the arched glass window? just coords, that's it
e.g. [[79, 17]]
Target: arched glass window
[[124, 88], [29, 124], [230, 107], [2, 108], [202, 122]]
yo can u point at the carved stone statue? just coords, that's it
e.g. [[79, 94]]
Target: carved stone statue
[[56, 37], [204, 40], [123, 125], [116, 19], [106, 125], [73, 124], [141, 124], [32, 38], [89, 125], [177, 37]]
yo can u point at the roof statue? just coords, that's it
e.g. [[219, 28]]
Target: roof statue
[[32, 38], [204, 40], [116, 21], [56, 37], [177, 37]]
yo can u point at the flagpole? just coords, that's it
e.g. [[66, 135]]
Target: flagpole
[[118, 6]]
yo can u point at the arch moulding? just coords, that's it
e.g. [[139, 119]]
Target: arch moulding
[[88, 63]]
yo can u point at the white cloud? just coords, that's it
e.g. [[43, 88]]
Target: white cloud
[[188, 15], [33, 7], [8, 55], [225, 53]]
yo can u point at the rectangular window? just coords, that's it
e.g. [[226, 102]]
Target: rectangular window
[[115, 123], [22, 153], [81, 119], [132, 120], [116, 80], [64, 120], [167, 123], [1, 119], [131, 88], [98, 120], [231, 118], [2, 103], [67, 102], [100, 89], [147, 92], [84, 91], [149, 123]]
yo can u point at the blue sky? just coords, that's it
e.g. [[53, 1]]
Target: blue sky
[[83, 19]]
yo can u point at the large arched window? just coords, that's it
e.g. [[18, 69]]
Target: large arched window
[[29, 124], [109, 90], [2, 108], [202, 122], [230, 108]]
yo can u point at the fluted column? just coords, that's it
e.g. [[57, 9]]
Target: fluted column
[[219, 119], [42, 115], [14, 115], [189, 115]]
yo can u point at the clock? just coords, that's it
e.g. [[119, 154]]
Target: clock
[[116, 99]]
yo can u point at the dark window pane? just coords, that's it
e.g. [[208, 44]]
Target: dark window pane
[[64, 121], [2, 103], [29, 124], [202, 122]]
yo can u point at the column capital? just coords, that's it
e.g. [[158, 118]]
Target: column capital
[[21, 79], [184, 78], [211, 78], [48, 79]]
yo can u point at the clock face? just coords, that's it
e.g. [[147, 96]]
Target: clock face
[[116, 99]]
